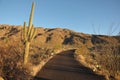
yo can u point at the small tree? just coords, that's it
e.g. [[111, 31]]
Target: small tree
[[28, 34]]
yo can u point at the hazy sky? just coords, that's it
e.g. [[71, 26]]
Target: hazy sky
[[88, 16]]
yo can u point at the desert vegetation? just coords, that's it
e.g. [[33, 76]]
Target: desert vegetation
[[11, 60], [98, 52], [28, 35], [103, 57], [109, 59]]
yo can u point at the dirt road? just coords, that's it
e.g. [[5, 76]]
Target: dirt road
[[63, 66]]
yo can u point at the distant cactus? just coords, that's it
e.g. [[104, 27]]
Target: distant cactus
[[28, 34]]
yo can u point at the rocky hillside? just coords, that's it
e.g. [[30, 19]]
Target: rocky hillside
[[100, 53], [56, 37]]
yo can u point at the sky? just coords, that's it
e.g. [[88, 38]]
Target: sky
[[86, 16]]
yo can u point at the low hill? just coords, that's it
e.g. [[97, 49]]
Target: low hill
[[90, 49], [56, 37]]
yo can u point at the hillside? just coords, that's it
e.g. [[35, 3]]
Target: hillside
[[89, 48], [56, 37]]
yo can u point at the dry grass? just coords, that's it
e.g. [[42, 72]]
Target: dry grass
[[103, 58], [11, 60], [109, 59]]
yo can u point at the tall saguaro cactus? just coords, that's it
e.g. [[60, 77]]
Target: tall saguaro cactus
[[28, 34]]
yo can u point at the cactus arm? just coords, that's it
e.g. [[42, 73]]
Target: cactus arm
[[31, 17], [31, 32], [24, 32], [33, 35]]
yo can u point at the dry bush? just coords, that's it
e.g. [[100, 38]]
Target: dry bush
[[40, 55], [86, 58], [103, 58], [83, 50], [108, 56], [11, 60]]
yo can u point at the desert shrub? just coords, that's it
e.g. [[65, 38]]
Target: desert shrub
[[109, 58], [83, 50], [11, 60], [40, 55]]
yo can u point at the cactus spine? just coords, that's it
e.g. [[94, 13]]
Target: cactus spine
[[28, 34]]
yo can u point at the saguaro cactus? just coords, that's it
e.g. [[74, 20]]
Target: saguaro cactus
[[28, 34]]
